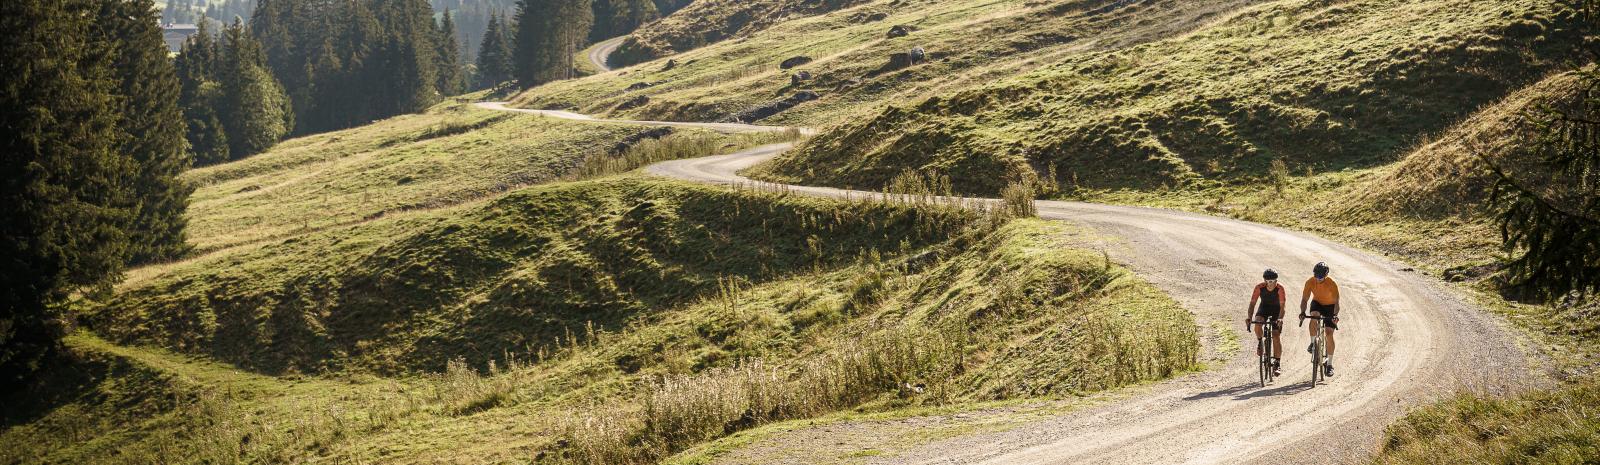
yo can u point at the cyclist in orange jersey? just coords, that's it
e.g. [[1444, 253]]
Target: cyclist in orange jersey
[[1323, 295]]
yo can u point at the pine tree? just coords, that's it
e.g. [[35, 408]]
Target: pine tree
[[448, 52], [64, 192], [409, 51], [148, 112], [494, 56], [199, 94], [549, 33], [254, 107]]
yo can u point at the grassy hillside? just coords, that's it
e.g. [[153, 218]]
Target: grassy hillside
[[967, 43], [963, 319], [710, 21], [1429, 209], [511, 275], [1319, 85], [453, 154], [1446, 179]]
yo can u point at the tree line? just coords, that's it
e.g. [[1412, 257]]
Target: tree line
[[345, 63], [93, 146], [204, 11]]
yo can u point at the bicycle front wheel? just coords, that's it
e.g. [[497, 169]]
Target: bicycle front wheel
[[1316, 360]]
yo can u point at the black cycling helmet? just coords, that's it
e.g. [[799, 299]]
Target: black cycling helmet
[[1269, 274], [1320, 271]]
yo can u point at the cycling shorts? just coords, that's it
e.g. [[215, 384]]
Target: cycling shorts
[[1327, 311]]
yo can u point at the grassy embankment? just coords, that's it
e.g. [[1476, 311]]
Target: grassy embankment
[[964, 319], [488, 325]]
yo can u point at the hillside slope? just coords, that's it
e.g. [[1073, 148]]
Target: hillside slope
[[509, 276], [965, 43], [710, 21], [1320, 85], [954, 322], [453, 154]]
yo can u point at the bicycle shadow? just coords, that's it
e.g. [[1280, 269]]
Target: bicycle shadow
[[1248, 391]]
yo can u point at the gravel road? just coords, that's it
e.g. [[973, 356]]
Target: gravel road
[[1406, 338]]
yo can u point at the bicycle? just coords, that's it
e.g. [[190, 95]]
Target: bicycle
[[1267, 368], [1319, 351]]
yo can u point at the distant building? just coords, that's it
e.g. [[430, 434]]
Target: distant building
[[175, 34]]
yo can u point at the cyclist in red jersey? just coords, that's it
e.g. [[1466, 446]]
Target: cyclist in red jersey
[[1273, 298]]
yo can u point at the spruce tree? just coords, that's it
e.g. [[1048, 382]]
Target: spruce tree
[[494, 55], [148, 112], [253, 109], [549, 33], [63, 194], [409, 51], [449, 58], [199, 95]]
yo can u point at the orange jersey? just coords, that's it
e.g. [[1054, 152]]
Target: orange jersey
[[1325, 292]]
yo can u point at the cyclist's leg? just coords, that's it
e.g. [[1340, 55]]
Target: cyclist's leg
[[1327, 335], [1277, 338], [1257, 330]]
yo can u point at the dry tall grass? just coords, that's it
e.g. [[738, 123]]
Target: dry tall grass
[[681, 410]]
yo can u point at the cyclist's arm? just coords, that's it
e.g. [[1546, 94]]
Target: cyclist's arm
[[1250, 311], [1305, 295], [1283, 300]]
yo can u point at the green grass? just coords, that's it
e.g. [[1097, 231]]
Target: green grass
[[1428, 210], [1556, 427], [1018, 314], [710, 21], [974, 42], [510, 275], [963, 318], [1317, 85], [453, 154]]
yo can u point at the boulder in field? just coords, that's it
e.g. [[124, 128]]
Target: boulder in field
[[899, 30]]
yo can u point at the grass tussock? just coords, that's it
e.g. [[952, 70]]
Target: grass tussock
[[1011, 316], [1561, 426], [683, 410]]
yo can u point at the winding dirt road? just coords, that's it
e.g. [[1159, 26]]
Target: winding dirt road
[[601, 50], [1406, 339]]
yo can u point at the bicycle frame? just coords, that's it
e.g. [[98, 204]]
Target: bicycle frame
[[1319, 351], [1265, 343]]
